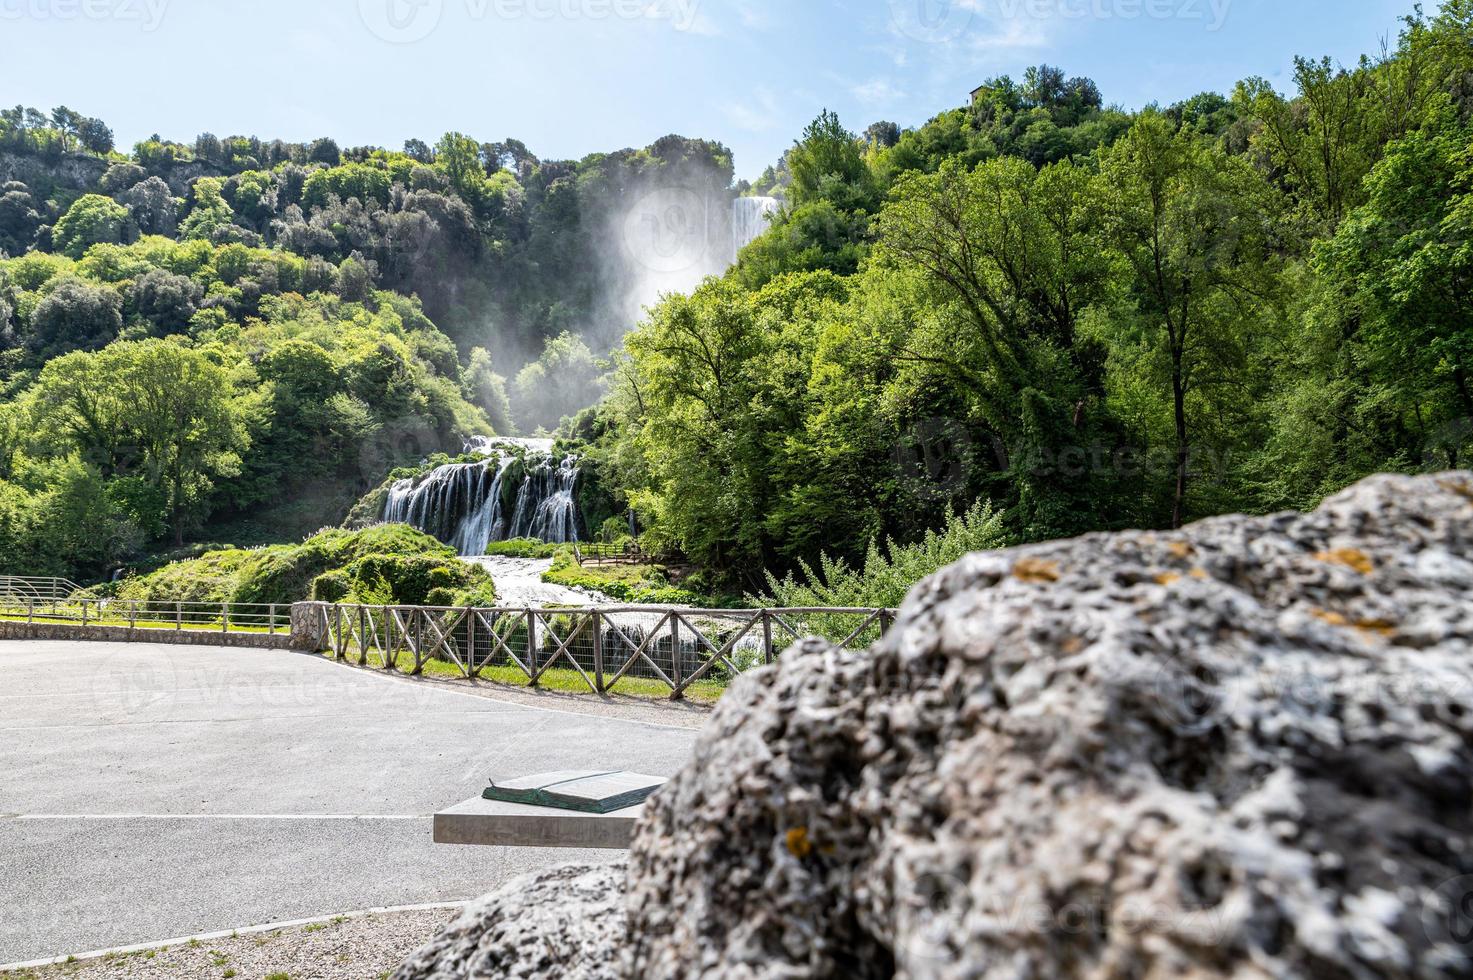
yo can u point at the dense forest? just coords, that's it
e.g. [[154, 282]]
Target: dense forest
[[235, 339], [1073, 316], [1088, 318]]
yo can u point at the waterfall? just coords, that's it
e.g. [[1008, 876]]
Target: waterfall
[[749, 220], [465, 504]]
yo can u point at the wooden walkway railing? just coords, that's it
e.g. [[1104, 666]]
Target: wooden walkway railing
[[677, 648]]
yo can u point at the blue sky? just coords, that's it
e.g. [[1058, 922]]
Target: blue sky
[[569, 77]]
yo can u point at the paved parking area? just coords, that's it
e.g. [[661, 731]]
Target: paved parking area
[[151, 791]]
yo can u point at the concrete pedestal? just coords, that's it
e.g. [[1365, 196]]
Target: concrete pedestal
[[491, 823]]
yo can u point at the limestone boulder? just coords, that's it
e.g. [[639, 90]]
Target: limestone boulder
[[1244, 749]]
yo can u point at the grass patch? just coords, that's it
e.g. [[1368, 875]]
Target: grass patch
[[524, 548], [635, 584], [559, 679], [112, 619]]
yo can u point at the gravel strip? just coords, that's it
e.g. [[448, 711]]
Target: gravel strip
[[360, 948]]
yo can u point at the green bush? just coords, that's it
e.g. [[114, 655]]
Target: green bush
[[525, 548], [634, 584], [383, 565], [332, 587], [887, 577]]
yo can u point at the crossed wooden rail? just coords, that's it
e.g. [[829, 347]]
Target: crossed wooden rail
[[613, 641]]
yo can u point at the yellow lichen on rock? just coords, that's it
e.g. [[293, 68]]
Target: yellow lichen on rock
[[798, 843], [1036, 570], [1352, 558]]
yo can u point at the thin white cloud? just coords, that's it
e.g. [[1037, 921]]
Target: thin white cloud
[[876, 92], [757, 114]]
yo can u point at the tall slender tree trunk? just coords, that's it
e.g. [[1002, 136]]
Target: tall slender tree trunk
[[1183, 449], [177, 509], [1460, 378]]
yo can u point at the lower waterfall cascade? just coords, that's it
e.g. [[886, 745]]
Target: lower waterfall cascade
[[469, 505]]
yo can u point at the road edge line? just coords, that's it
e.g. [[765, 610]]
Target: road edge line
[[98, 954]]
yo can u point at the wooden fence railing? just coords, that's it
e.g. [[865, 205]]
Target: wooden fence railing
[[676, 648]]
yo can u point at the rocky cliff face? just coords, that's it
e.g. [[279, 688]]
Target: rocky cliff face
[[1243, 749]]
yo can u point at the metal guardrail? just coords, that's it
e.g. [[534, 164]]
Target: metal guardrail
[[38, 589], [676, 648], [223, 617]]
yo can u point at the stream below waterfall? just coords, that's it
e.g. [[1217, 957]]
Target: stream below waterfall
[[519, 585]]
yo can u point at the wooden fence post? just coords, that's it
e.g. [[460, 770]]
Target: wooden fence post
[[470, 642], [767, 654], [676, 672], [598, 652], [532, 645]]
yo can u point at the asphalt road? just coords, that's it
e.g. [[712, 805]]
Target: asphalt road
[[151, 791]]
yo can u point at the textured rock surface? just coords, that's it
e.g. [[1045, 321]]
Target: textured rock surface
[[566, 922], [1243, 749]]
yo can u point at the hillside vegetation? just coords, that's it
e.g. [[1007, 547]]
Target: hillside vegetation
[[236, 339], [1090, 318], [1082, 317], [385, 565]]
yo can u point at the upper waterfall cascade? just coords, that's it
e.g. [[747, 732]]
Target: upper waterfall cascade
[[469, 505], [749, 219]]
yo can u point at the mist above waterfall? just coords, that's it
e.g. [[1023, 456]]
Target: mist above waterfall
[[668, 225]]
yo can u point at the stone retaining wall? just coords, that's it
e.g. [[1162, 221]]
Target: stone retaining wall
[[122, 634]]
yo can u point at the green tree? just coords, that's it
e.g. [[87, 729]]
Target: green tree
[[74, 315], [459, 157], [1189, 224], [91, 220], [828, 165], [209, 213], [153, 404]]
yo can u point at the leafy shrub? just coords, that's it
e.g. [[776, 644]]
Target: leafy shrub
[[888, 576], [387, 564], [331, 587], [634, 584], [524, 548]]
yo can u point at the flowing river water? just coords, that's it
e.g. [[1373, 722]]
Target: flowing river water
[[519, 584]]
